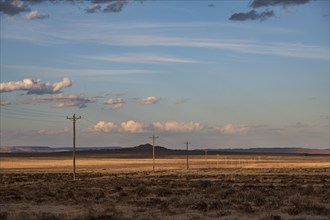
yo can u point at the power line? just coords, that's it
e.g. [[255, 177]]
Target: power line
[[30, 111], [31, 119], [92, 122], [7, 112]]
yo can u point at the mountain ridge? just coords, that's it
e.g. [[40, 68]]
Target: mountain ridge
[[147, 147]]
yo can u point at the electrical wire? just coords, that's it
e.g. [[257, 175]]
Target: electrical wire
[[30, 111]]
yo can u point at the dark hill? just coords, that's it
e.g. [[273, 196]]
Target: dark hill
[[145, 151]]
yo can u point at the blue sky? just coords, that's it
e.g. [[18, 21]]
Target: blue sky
[[220, 74]]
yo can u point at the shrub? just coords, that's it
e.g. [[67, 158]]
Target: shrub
[[271, 217], [141, 190], [163, 192], [205, 184], [308, 190], [297, 203]]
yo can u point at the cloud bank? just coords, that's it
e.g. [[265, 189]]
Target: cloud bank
[[35, 86], [174, 126], [131, 126]]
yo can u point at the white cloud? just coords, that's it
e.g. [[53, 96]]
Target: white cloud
[[174, 126], [36, 15], [234, 129], [53, 132], [116, 103], [150, 100], [4, 102], [132, 127], [103, 126], [35, 86], [125, 127]]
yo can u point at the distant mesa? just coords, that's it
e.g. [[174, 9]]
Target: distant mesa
[[46, 149], [25, 149], [145, 149]]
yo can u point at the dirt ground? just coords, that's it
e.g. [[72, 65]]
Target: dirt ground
[[226, 187]]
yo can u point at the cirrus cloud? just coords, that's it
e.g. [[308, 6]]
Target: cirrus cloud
[[61, 100]]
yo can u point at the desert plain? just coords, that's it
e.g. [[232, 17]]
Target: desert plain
[[41, 186]]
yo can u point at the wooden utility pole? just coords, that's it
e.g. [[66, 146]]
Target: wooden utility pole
[[187, 144], [153, 137], [205, 156], [74, 119]]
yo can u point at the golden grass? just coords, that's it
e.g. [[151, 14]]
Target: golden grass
[[63, 164]]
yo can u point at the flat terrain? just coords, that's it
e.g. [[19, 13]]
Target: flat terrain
[[214, 187]]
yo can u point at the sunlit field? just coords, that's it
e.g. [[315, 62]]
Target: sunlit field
[[103, 163], [214, 187]]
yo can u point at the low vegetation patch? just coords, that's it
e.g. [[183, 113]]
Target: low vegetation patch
[[197, 194]]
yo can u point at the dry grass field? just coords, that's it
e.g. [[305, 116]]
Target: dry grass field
[[217, 187]]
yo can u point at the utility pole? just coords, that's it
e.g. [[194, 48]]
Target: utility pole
[[205, 157], [74, 119], [153, 137], [187, 144]]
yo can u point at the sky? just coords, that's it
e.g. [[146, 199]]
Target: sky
[[219, 74]]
